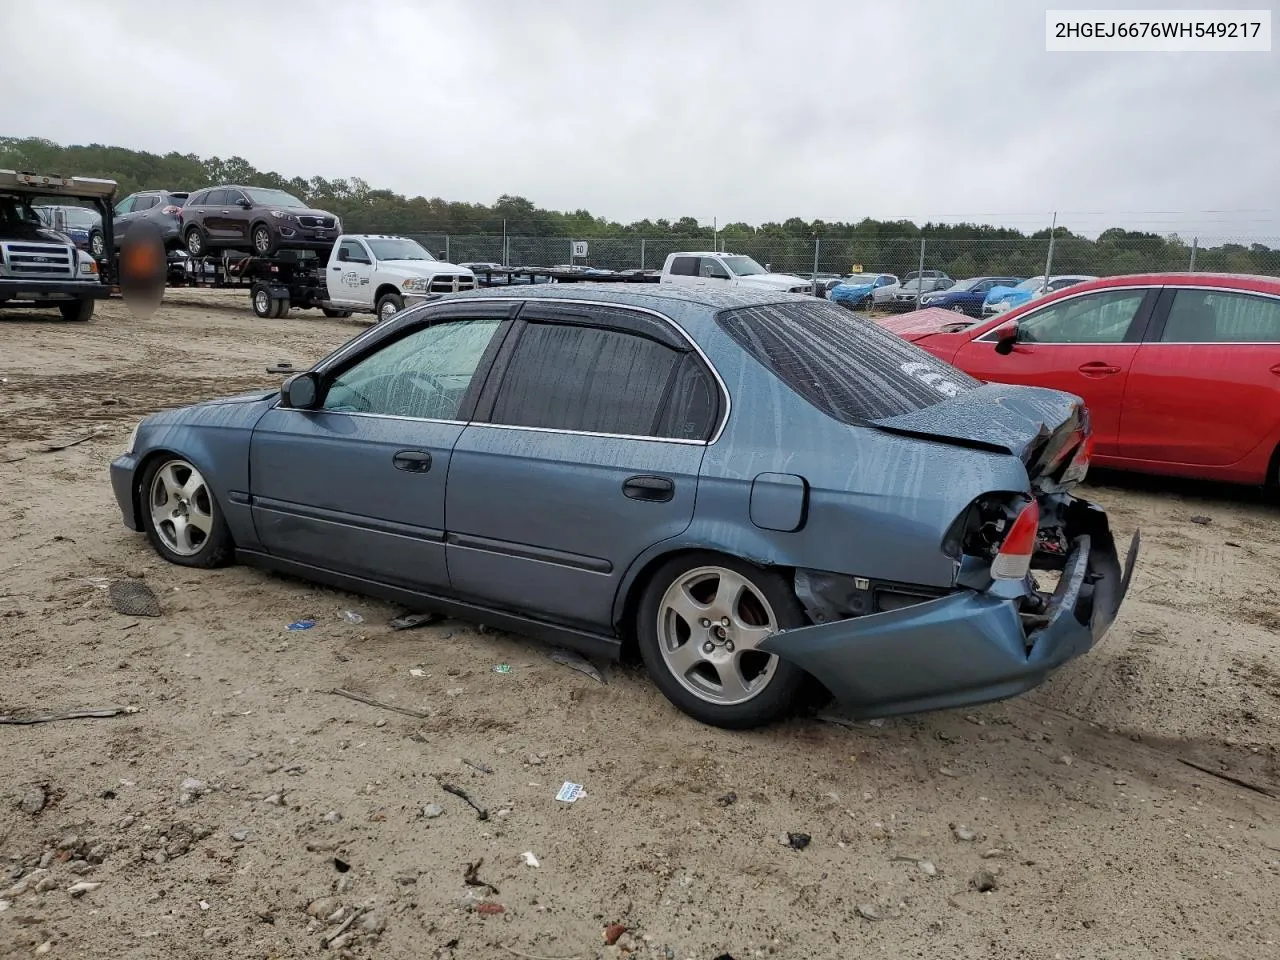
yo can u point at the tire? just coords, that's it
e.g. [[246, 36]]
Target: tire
[[77, 311], [97, 245], [760, 687], [958, 308], [868, 304], [261, 240], [263, 303], [194, 241], [181, 516], [389, 304], [282, 307], [336, 314]]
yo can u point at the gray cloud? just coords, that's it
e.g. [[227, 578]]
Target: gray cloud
[[739, 110]]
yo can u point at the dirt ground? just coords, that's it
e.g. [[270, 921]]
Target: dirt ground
[[1076, 804]]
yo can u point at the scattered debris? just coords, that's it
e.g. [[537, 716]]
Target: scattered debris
[[475, 765], [869, 911], [361, 698], [341, 865], [1202, 520], [529, 858], [490, 909], [502, 668], [83, 887], [947, 772], [993, 853], [343, 927], [281, 366], [471, 877], [333, 816], [613, 932], [411, 620], [481, 812], [240, 835], [1229, 543], [963, 833], [875, 723], [798, 841], [133, 598], [33, 801], [432, 810], [927, 868], [54, 448], [417, 672], [570, 792], [567, 658], [983, 880], [727, 799], [70, 715], [192, 789], [352, 617], [838, 720]]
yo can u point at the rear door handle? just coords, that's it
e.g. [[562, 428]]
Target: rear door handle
[[412, 461], [655, 489], [336, 268], [1276, 369], [1098, 369]]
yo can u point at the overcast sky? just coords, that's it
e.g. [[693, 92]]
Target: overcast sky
[[734, 109]]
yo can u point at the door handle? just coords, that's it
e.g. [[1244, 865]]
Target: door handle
[[1098, 369], [336, 269], [1276, 369], [655, 489], [412, 461]]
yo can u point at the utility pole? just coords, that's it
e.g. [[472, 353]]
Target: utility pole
[[1048, 260]]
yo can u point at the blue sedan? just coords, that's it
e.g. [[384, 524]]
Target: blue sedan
[[967, 296], [749, 489]]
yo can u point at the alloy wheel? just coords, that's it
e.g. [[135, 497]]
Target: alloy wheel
[[181, 508]]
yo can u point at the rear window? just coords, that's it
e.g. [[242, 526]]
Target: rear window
[[850, 369]]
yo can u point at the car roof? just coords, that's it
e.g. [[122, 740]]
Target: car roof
[[652, 297], [1242, 281]]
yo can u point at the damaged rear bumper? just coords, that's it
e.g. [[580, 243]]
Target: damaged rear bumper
[[970, 646]]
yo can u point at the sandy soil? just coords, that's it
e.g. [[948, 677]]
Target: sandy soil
[[1099, 839]]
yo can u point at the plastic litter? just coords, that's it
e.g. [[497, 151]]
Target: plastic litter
[[502, 668], [352, 617], [573, 661], [529, 858], [411, 620], [415, 672], [570, 792], [301, 625]]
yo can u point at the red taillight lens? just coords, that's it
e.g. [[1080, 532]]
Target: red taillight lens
[[1013, 562], [171, 210]]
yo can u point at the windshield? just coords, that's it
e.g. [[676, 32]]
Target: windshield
[[397, 248], [73, 216], [273, 198], [744, 266], [1032, 284], [960, 285]]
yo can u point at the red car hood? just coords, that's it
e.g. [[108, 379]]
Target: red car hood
[[919, 324]]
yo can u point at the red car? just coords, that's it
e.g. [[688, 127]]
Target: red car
[[1180, 371]]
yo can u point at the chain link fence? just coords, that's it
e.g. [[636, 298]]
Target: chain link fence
[[1021, 257]]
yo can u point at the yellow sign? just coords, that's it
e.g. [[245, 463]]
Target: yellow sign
[[856, 268]]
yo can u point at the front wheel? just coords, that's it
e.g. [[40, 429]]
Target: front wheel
[[868, 304], [181, 516], [97, 246], [389, 304], [700, 623], [959, 308]]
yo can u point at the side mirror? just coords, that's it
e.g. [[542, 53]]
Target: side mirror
[[301, 391], [244, 202], [1006, 337]]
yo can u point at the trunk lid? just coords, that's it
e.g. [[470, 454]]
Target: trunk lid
[[1043, 428]]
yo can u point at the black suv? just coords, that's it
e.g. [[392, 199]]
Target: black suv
[[160, 207], [257, 219]]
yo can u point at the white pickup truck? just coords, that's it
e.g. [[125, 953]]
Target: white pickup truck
[[729, 270], [365, 273]]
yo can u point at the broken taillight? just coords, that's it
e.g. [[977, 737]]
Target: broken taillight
[[1013, 562], [1079, 465]]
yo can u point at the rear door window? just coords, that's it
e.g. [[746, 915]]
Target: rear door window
[[1215, 316], [684, 267], [144, 202], [592, 380], [850, 369]]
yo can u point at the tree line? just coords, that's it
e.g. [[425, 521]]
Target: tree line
[[963, 249]]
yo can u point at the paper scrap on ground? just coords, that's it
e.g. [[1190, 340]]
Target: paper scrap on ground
[[570, 792]]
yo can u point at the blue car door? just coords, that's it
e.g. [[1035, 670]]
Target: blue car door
[[358, 485], [584, 453]]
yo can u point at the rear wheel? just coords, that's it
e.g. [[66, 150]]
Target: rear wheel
[[181, 516], [700, 622], [76, 311], [389, 304], [194, 240], [263, 304], [282, 307]]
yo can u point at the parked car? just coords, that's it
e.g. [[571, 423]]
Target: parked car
[[725, 270], [999, 298], [254, 219], [81, 225], [864, 291], [571, 465], [916, 283], [161, 208], [1180, 371], [966, 296]]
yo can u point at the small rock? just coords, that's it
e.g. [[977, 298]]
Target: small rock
[[83, 887], [1065, 759], [469, 901], [947, 772], [728, 799], [1121, 783], [612, 933], [1202, 520], [869, 911], [45, 884], [80, 867], [798, 841], [44, 948], [983, 880], [344, 883], [534, 760], [454, 692], [240, 836], [927, 868], [97, 853], [47, 860], [432, 810], [380, 723], [321, 907], [963, 833], [373, 923], [33, 801], [333, 816]]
